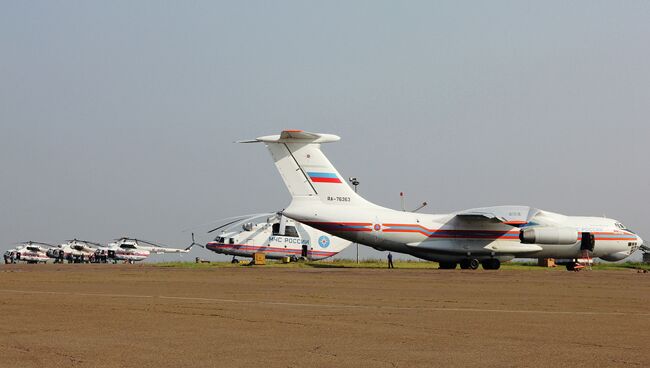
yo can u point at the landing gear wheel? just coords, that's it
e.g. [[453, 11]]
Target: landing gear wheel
[[571, 266], [473, 263], [447, 265], [491, 264], [470, 264]]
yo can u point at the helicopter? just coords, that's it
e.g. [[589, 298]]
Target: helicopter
[[133, 250], [274, 235], [30, 252], [74, 251]]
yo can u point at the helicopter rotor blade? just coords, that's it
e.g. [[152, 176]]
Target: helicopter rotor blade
[[84, 242], [30, 242], [240, 220], [224, 225], [220, 221], [149, 242]]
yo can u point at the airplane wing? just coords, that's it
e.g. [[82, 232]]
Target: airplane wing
[[509, 215]]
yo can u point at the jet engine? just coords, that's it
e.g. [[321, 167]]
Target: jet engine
[[548, 235]]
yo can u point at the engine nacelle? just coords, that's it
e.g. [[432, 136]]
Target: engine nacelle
[[614, 257], [548, 235]]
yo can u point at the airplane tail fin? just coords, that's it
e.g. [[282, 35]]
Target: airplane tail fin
[[306, 172]]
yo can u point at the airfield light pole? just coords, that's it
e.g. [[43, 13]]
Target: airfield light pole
[[354, 181]]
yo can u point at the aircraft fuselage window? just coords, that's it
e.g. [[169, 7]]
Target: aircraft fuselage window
[[232, 241], [289, 231]]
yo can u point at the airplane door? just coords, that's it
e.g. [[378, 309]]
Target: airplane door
[[304, 250], [587, 242]]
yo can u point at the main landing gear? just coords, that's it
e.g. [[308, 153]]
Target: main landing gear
[[469, 264], [491, 264], [472, 264]]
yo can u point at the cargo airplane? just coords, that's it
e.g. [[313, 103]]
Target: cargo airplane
[[486, 236]]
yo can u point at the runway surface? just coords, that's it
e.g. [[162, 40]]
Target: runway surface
[[146, 316]]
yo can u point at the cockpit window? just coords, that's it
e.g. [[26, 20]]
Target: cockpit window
[[623, 227]]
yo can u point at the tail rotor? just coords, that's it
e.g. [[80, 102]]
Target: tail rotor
[[194, 243]]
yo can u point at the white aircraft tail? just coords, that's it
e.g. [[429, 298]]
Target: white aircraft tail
[[306, 172]]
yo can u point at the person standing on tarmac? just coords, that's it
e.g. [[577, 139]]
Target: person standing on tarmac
[[390, 260]]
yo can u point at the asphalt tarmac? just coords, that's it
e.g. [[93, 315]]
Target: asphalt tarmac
[[147, 316]]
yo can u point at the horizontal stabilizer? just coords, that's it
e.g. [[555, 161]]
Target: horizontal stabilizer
[[295, 136]]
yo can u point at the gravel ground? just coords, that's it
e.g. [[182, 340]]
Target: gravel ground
[[146, 316]]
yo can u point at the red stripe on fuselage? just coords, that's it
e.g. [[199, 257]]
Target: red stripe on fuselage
[[268, 249], [340, 223]]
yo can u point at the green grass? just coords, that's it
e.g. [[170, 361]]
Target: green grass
[[620, 266], [376, 263]]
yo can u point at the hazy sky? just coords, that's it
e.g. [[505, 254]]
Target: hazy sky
[[118, 117]]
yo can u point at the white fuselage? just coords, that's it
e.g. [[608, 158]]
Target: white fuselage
[[297, 240], [439, 237], [322, 199], [69, 251], [134, 251], [29, 254]]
